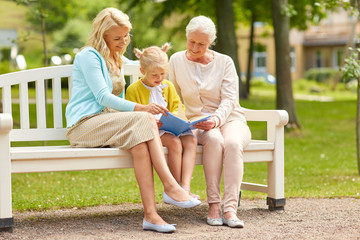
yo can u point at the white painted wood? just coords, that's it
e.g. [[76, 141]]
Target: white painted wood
[[6, 99], [5, 166], [40, 104], [48, 134], [254, 187], [24, 106], [69, 86], [57, 103], [64, 158], [33, 75]]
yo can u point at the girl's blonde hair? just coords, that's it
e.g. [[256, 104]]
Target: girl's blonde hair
[[106, 19], [153, 57]]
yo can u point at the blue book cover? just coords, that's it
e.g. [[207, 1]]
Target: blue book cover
[[176, 125]]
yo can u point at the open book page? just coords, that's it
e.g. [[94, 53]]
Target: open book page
[[176, 125]]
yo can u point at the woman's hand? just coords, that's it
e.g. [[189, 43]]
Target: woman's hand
[[206, 125], [152, 108]]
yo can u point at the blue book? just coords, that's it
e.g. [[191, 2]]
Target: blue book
[[176, 125]]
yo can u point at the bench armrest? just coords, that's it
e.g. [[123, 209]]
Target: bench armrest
[[276, 120], [276, 117], [6, 122]]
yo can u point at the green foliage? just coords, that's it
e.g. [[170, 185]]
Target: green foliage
[[322, 75], [56, 13], [73, 35], [351, 68]]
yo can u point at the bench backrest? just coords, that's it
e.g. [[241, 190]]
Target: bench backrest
[[25, 107]]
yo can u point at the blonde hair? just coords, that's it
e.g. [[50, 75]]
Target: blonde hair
[[153, 57], [106, 19]]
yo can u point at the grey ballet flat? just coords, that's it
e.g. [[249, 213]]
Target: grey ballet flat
[[214, 221], [165, 228], [233, 223], [193, 202]]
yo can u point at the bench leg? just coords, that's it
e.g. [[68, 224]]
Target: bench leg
[[6, 224], [275, 204], [275, 171], [6, 218], [239, 198]]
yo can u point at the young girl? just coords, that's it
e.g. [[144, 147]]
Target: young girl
[[154, 88]]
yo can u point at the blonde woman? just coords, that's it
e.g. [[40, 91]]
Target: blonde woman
[[154, 88], [98, 116]]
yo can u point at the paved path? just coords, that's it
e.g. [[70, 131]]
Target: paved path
[[302, 219]]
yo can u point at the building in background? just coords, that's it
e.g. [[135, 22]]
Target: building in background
[[320, 46]]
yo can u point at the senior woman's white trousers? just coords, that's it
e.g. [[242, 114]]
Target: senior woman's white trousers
[[223, 151]]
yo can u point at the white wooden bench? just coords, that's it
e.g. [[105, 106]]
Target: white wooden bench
[[64, 158]]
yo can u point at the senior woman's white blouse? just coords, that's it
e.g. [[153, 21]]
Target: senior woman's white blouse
[[207, 88]]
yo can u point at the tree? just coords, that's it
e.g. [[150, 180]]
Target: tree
[[284, 96], [46, 17], [251, 12], [352, 70], [227, 40]]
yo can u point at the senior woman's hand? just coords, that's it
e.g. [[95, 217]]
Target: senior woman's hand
[[206, 125], [152, 108]]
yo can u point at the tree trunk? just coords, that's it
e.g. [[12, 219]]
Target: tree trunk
[[251, 50], [358, 126], [284, 91], [43, 33], [227, 41]]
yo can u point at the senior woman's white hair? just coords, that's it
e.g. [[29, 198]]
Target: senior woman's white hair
[[204, 24]]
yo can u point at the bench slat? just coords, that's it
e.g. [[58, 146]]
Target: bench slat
[[32, 134], [33, 75], [6, 99], [57, 103], [40, 104], [55, 158], [24, 105]]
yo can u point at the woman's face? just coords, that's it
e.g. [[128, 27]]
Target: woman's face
[[197, 43], [116, 38]]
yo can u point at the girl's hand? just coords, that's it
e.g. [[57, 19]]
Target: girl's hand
[[159, 124], [152, 108], [206, 125]]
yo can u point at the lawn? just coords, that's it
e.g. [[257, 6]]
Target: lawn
[[320, 162]]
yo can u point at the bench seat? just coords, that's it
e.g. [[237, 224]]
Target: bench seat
[[65, 158]]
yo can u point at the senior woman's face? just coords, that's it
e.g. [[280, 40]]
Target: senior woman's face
[[197, 43], [116, 38]]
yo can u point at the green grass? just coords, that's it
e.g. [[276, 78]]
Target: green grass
[[320, 161]]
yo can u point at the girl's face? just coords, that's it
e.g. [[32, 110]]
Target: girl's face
[[116, 38], [153, 77], [197, 44]]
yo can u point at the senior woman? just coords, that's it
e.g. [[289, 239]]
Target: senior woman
[[207, 84], [98, 116]]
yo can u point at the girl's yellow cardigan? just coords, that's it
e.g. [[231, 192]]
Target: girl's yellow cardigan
[[138, 93]]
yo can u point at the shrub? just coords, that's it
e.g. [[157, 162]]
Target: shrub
[[322, 75]]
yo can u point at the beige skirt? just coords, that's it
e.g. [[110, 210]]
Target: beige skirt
[[109, 128]]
